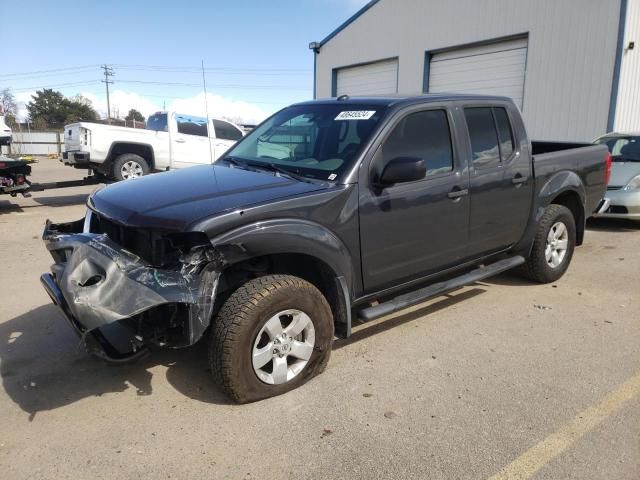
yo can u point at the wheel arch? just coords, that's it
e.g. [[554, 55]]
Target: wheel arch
[[296, 247], [143, 149], [565, 188]]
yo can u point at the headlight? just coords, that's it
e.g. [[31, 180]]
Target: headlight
[[634, 183]]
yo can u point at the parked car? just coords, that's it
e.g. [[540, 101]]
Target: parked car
[[373, 205], [623, 192], [5, 132], [170, 140]]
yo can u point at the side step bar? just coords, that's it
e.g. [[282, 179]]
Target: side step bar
[[418, 296]]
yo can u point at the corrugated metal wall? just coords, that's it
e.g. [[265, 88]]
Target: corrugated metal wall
[[570, 60], [628, 106], [36, 143]]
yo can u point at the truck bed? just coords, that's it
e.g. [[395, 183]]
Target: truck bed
[[585, 159]]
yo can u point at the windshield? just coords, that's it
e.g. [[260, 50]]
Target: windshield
[[622, 148], [157, 122], [316, 141]]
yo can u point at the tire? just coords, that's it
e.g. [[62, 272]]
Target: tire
[[250, 311], [129, 165], [538, 266]]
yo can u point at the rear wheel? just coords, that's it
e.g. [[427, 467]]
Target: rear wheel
[[272, 335], [128, 166], [553, 245]]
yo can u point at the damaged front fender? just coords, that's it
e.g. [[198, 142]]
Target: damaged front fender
[[95, 282]]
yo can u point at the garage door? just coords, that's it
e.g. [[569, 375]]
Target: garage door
[[493, 69], [377, 78]]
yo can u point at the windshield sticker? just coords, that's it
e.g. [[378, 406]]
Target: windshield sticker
[[333, 176], [356, 115]]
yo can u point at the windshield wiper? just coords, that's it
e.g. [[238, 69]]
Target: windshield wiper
[[256, 166], [283, 171], [237, 163]]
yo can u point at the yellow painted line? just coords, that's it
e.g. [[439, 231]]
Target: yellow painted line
[[527, 464]]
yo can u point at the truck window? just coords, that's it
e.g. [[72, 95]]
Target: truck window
[[505, 134], [423, 135], [157, 122], [483, 136], [226, 131], [192, 125]]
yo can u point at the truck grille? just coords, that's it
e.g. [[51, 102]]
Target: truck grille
[[149, 245]]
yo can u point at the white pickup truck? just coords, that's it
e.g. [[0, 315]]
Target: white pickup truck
[[5, 131], [170, 140]]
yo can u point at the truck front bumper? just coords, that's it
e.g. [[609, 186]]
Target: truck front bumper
[[96, 285]]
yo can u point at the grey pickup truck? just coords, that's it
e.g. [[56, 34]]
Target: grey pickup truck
[[329, 209]]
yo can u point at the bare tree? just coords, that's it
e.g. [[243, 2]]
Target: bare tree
[[8, 103]]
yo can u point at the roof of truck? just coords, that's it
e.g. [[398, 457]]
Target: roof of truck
[[389, 100]]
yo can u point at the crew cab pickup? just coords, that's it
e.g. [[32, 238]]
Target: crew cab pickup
[[328, 209], [170, 140]]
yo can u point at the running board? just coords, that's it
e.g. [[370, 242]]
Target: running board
[[418, 296]]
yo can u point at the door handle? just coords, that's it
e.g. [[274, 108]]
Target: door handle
[[457, 193], [519, 179], [180, 140]]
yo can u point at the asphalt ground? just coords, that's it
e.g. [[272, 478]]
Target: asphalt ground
[[502, 379]]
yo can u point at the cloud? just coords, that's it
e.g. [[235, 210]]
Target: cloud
[[122, 101], [219, 107]]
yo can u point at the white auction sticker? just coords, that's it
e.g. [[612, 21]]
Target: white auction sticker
[[355, 115]]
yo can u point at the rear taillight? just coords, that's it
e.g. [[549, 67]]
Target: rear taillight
[[607, 171]]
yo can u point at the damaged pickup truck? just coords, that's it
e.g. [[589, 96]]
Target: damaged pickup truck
[[328, 209]]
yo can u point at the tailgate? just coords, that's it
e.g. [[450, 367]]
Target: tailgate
[[74, 137]]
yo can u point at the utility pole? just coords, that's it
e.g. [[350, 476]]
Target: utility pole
[[108, 72]]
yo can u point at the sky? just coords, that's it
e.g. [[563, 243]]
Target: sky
[[255, 52]]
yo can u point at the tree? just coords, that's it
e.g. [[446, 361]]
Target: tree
[[54, 110], [8, 102], [134, 115]]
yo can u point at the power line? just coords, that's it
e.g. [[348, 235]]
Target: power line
[[209, 69], [237, 86], [56, 85], [36, 72]]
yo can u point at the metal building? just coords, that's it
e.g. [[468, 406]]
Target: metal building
[[572, 66]]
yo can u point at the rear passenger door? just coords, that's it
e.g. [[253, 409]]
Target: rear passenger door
[[410, 230], [500, 179]]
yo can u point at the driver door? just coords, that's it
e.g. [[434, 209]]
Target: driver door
[[414, 229]]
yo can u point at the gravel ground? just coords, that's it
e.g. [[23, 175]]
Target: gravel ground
[[460, 387]]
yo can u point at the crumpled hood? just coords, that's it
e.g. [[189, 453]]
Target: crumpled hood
[[623, 172], [173, 200]]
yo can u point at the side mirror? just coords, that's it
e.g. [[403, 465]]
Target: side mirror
[[403, 169]]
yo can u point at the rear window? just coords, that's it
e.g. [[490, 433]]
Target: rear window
[[491, 135], [157, 122], [226, 131], [483, 136]]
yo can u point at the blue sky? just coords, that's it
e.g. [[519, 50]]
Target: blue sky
[[257, 51]]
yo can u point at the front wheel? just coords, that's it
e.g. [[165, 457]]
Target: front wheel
[[553, 245], [272, 335]]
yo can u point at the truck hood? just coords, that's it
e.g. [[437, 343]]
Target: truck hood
[[623, 172], [174, 200]]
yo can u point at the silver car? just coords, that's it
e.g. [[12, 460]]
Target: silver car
[[622, 199]]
